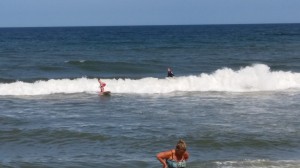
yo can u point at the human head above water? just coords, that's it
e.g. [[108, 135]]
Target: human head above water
[[181, 145]]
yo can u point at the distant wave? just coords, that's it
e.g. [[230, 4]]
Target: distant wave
[[254, 78], [75, 62], [117, 66]]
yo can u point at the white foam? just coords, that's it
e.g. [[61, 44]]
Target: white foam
[[260, 163], [248, 79]]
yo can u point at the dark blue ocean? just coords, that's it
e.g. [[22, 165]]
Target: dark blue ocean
[[234, 98]]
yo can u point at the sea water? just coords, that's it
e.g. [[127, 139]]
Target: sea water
[[234, 98]]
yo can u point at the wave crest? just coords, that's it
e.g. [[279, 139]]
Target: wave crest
[[253, 78]]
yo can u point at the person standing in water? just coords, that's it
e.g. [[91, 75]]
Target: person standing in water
[[174, 158], [170, 73], [102, 85]]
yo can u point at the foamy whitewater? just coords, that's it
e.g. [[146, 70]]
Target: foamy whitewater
[[247, 79], [234, 98]]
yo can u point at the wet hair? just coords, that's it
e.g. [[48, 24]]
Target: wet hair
[[181, 145]]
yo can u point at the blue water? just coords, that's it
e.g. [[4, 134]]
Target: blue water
[[234, 98]]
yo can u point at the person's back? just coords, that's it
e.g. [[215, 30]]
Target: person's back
[[102, 85], [170, 73]]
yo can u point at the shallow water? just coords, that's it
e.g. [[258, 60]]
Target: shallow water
[[233, 129]]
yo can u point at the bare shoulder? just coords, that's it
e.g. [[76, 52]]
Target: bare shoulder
[[186, 155], [165, 154]]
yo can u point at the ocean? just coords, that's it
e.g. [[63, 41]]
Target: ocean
[[234, 98]]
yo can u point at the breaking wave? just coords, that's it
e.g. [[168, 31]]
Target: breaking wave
[[253, 78]]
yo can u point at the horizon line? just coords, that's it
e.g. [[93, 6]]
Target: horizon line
[[149, 25]]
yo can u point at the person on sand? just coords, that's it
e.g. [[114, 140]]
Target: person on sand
[[102, 85], [175, 158], [170, 73]]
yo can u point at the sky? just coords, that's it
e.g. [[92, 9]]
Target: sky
[[48, 13]]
